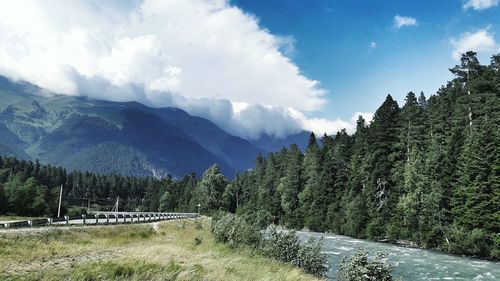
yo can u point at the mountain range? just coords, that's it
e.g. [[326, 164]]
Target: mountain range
[[128, 138]]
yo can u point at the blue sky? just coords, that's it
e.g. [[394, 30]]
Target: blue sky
[[332, 44]]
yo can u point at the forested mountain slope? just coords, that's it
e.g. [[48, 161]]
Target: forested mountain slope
[[112, 137]]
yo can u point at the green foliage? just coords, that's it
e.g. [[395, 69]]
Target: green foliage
[[261, 218], [286, 247], [361, 268], [427, 173], [76, 211], [475, 242], [235, 231], [26, 197], [28, 188], [210, 188], [282, 246]]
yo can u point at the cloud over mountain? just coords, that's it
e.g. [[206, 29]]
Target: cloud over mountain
[[202, 56]]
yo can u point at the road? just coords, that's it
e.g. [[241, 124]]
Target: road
[[99, 218]]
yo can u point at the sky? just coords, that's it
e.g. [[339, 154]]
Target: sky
[[360, 51], [251, 67]]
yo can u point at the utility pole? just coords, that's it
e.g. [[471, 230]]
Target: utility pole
[[60, 199]]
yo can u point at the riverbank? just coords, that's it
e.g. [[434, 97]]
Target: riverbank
[[410, 263], [409, 244], [172, 250]]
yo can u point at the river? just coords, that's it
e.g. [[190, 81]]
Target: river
[[411, 264]]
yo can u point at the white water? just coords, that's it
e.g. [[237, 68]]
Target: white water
[[411, 264]]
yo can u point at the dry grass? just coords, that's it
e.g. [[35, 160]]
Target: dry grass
[[165, 251]]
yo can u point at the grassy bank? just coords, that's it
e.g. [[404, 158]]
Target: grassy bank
[[161, 251]]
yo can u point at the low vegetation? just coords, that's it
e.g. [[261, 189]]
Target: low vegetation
[[283, 246], [361, 268], [174, 250]]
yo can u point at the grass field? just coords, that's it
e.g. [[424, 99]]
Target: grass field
[[158, 251]]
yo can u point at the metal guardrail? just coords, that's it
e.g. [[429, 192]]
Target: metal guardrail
[[100, 218]]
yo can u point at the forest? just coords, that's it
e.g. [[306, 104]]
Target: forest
[[425, 173]]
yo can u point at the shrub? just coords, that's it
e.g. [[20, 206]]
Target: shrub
[[76, 211], [361, 268], [311, 259], [495, 251], [286, 247], [282, 246], [235, 231], [464, 241]]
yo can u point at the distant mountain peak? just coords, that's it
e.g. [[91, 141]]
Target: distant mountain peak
[[114, 137]]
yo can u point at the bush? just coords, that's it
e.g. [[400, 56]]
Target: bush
[[361, 268], [282, 246], [495, 251], [476, 242], [76, 211], [235, 232], [286, 247]]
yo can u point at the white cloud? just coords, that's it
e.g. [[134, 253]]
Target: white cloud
[[249, 121], [479, 41], [196, 48], [400, 21], [205, 56], [480, 4]]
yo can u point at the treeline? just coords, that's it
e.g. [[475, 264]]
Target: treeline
[[427, 172], [31, 189]]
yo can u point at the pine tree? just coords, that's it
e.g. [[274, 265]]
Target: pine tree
[[473, 205], [355, 203], [290, 187], [381, 158], [311, 168]]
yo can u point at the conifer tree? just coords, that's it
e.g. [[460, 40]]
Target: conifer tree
[[382, 156], [290, 186], [311, 167]]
